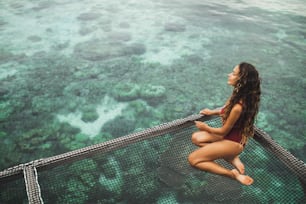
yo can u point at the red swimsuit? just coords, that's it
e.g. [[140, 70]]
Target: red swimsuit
[[235, 133]]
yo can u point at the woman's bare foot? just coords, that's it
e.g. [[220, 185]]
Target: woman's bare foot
[[236, 162], [246, 180]]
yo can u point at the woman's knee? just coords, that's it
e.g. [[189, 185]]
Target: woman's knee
[[192, 160], [194, 138], [197, 138]]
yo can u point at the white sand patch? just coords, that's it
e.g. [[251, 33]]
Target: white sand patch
[[108, 110]]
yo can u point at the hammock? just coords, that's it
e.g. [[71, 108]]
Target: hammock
[[151, 166]]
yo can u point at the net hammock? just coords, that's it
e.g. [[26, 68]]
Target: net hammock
[[151, 167]]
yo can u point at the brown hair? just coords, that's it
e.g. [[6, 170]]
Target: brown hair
[[246, 90]]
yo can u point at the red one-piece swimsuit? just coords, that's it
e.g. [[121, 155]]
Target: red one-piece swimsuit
[[235, 133]]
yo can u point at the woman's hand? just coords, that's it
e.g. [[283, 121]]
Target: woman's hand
[[201, 126], [207, 111]]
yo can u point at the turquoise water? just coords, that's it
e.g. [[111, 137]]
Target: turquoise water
[[76, 73]]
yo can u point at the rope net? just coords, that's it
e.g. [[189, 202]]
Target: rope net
[[152, 167]]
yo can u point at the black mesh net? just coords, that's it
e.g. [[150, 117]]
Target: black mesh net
[[12, 192], [156, 170]]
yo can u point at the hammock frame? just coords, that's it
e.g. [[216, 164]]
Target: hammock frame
[[29, 170]]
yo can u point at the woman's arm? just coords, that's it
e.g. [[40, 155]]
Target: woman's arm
[[227, 126], [207, 111]]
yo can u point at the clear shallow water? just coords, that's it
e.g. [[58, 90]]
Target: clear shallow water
[[65, 68]]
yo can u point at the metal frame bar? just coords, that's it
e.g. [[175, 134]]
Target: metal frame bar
[[32, 186]]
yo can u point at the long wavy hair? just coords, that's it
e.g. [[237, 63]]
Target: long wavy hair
[[246, 90]]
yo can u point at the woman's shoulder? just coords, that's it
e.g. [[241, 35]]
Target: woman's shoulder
[[237, 107]]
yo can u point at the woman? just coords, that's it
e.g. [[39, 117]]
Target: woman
[[238, 116]]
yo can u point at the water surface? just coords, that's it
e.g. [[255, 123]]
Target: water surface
[[75, 73]]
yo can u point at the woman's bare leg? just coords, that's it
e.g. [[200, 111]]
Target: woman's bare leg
[[236, 162], [201, 138], [203, 158], [244, 179]]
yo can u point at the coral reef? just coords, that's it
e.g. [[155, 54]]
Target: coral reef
[[108, 110], [6, 110], [125, 91], [112, 181], [153, 94], [144, 188], [119, 126], [77, 185], [89, 114], [96, 50]]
